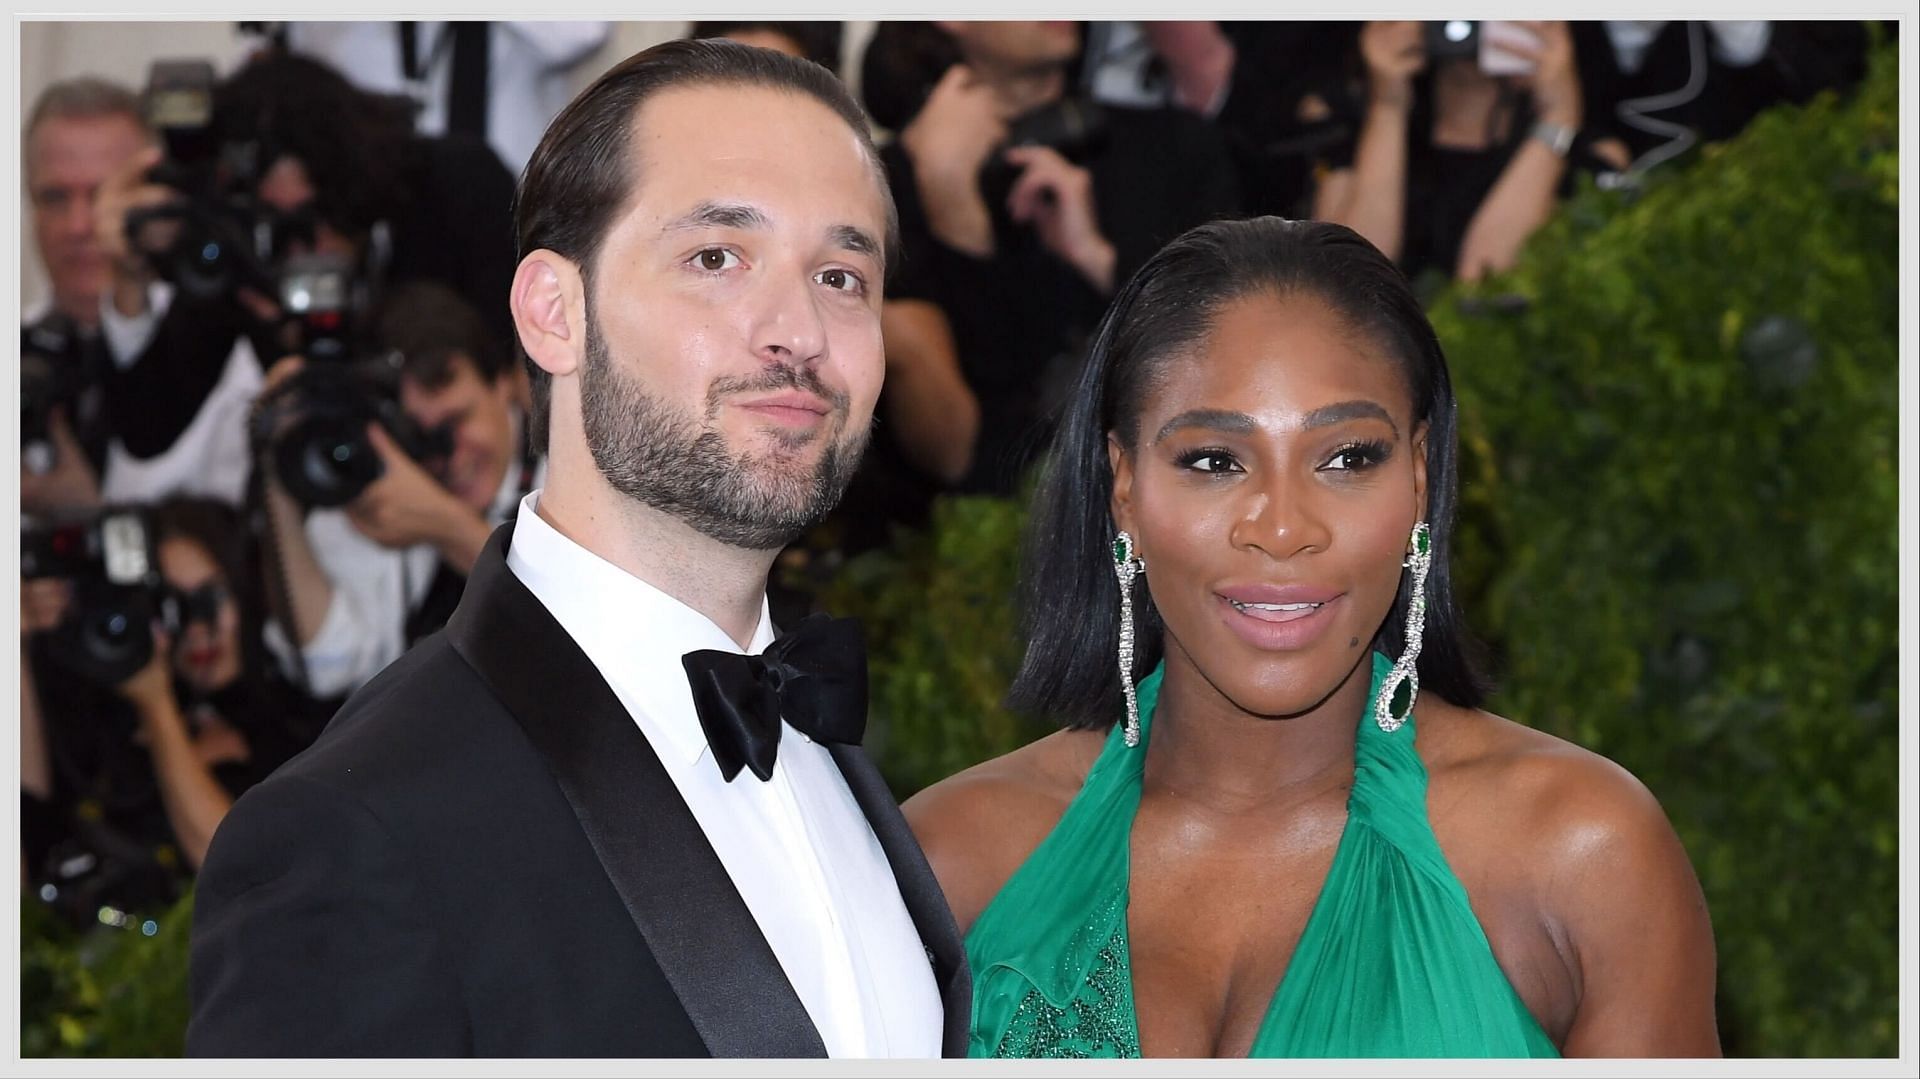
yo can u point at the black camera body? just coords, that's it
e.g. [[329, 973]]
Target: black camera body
[[1074, 127], [312, 430], [117, 590], [216, 237], [1448, 39], [52, 376]]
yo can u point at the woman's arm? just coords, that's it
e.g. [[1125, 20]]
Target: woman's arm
[[1370, 198], [1619, 882]]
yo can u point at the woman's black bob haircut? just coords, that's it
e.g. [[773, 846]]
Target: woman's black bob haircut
[[1071, 619]]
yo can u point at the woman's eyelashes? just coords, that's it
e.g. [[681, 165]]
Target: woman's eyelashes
[[1356, 456], [1359, 456], [1210, 460]]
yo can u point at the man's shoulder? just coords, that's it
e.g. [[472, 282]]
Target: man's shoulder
[[429, 710]]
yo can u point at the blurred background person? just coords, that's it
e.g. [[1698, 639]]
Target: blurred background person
[[1276, 91], [1463, 154], [1661, 86], [1021, 204], [365, 580], [79, 132], [335, 177], [127, 770], [820, 42], [500, 81]]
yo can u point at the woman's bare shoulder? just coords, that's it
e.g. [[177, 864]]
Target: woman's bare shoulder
[[979, 826]]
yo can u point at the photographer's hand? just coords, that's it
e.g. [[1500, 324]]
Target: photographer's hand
[[948, 141], [1555, 81], [1055, 196], [150, 689], [70, 484], [1394, 53], [123, 193], [406, 506], [194, 801], [43, 604]]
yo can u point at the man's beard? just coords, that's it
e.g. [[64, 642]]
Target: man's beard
[[665, 458]]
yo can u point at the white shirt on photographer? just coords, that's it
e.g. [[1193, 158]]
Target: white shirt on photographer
[[210, 459], [374, 589]]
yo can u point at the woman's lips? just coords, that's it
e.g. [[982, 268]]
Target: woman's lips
[[1279, 625]]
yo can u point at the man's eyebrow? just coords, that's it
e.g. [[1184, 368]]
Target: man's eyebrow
[[1218, 419], [718, 215], [855, 239]]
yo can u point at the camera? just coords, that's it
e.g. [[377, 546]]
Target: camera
[[312, 431], [1074, 127], [117, 590], [214, 238], [51, 366], [1448, 39]]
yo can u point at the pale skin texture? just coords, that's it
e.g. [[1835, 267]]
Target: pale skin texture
[[684, 298], [1570, 866]]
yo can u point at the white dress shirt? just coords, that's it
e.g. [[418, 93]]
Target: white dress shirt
[[797, 847], [374, 587]]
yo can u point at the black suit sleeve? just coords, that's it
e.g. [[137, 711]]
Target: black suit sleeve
[[312, 936]]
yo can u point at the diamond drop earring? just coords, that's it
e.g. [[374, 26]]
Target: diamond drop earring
[[1406, 673], [1126, 566]]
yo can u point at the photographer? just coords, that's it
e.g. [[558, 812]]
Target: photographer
[[127, 770], [79, 132], [1458, 161], [366, 580], [1021, 206], [296, 152]]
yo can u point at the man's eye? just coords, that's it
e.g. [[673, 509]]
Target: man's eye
[[715, 259], [840, 280]]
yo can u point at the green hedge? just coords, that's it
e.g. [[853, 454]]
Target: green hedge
[[106, 992], [1684, 530], [1677, 532]]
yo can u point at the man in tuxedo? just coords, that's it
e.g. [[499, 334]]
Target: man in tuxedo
[[607, 812]]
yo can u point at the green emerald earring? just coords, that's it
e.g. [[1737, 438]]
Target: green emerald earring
[[1402, 684]]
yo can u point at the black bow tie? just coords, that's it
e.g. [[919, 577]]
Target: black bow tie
[[814, 676]]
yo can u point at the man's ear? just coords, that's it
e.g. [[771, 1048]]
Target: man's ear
[[549, 311]]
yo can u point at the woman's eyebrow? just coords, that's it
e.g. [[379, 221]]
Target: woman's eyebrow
[[1239, 423]]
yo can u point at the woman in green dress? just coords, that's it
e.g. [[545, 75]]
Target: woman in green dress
[[1277, 822]]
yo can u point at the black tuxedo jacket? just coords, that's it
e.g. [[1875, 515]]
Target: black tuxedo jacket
[[483, 856]]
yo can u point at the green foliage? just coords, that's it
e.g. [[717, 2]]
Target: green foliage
[[105, 992], [938, 609], [1677, 529], [1683, 509]]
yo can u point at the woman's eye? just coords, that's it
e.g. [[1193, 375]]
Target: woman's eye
[[715, 259], [1210, 461], [840, 280], [1354, 458]]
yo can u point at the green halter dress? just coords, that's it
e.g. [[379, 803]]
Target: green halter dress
[[1392, 962]]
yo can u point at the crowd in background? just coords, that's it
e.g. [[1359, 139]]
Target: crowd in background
[[273, 407]]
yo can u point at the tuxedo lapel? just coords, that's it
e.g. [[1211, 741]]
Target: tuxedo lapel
[[926, 903], [653, 850]]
